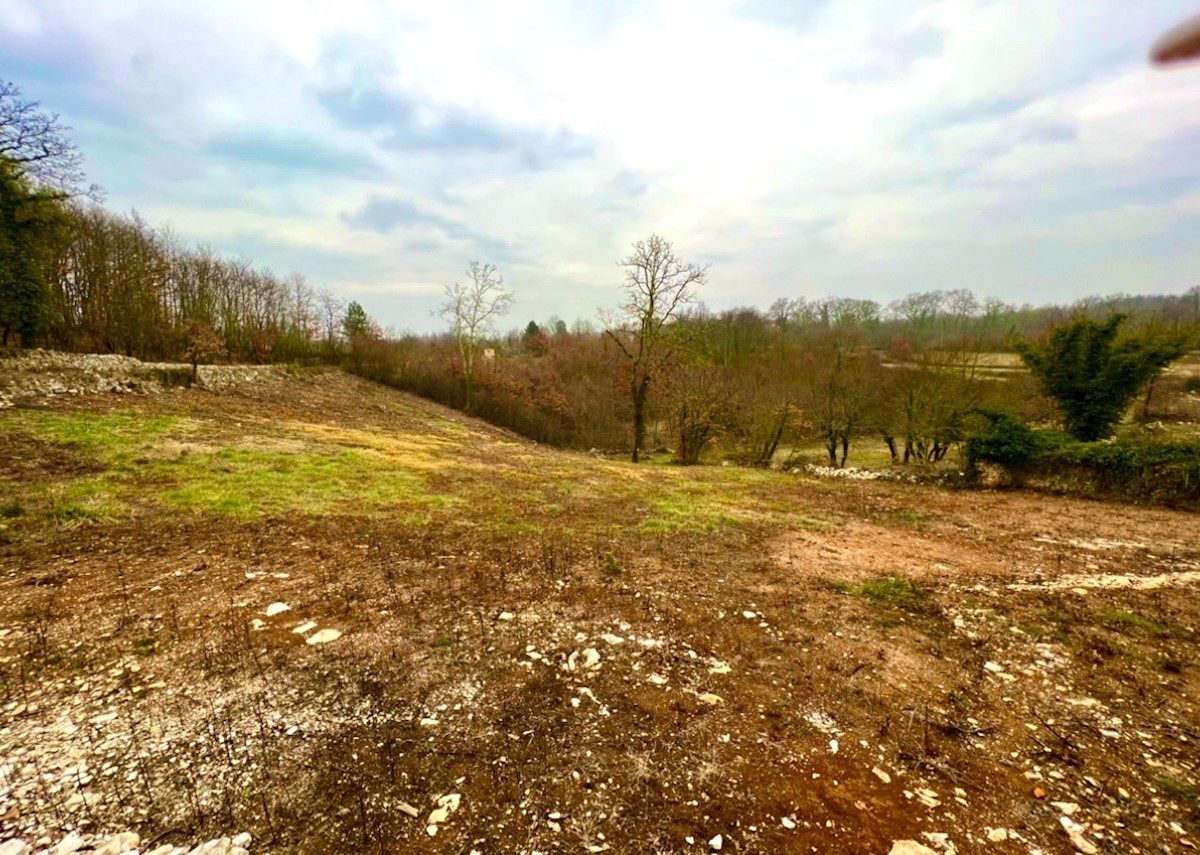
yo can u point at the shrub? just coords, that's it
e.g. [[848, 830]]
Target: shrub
[[1162, 471], [1010, 443], [1092, 374]]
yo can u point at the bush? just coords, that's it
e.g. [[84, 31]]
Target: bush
[[1009, 443], [1160, 471]]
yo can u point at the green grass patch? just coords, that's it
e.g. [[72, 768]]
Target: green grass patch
[[71, 512], [102, 435], [11, 510], [1180, 791], [915, 517], [891, 591], [1125, 620], [245, 482], [90, 499]]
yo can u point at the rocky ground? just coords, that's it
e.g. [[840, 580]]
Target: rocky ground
[[37, 375], [472, 644]]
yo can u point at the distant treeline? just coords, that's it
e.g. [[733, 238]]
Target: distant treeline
[[754, 386], [750, 383]]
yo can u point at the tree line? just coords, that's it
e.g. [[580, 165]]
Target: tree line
[[76, 276], [663, 372], [660, 371]]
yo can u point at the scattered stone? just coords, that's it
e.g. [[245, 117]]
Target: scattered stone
[[446, 805], [590, 660], [910, 847], [788, 823], [711, 699], [15, 847], [506, 616], [1075, 831], [882, 775], [126, 841], [997, 835], [306, 627], [324, 636], [928, 798], [277, 609], [71, 843], [716, 843], [614, 640]]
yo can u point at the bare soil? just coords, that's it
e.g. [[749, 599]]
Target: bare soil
[[830, 667]]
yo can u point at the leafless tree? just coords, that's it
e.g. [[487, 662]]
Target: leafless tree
[[472, 309], [658, 285], [34, 143]]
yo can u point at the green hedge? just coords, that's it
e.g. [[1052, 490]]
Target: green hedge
[[1160, 471]]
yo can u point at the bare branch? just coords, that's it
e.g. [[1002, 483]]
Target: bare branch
[[35, 145], [472, 310], [658, 285]]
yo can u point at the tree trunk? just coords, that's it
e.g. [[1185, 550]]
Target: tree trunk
[[468, 360], [639, 391], [768, 450], [1145, 417]]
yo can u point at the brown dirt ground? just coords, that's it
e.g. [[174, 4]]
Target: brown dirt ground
[[948, 681]]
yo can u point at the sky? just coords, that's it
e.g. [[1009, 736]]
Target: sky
[[1024, 149]]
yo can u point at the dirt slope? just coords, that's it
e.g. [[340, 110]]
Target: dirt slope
[[530, 650]]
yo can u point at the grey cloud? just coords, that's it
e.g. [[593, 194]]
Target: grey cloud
[[631, 185], [382, 214], [452, 131], [288, 153]]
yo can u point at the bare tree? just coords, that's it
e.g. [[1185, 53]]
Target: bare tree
[[35, 144], [658, 285], [472, 309]]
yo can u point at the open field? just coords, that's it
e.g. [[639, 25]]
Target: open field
[[540, 651]]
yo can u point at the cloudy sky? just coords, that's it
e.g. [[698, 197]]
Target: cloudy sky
[[867, 148]]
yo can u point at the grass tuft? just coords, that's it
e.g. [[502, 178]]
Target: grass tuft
[[1124, 620], [891, 591]]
